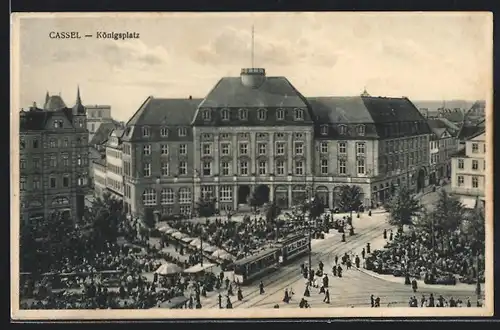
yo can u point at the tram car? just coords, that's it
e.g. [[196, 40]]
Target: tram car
[[293, 247], [286, 250], [252, 267]]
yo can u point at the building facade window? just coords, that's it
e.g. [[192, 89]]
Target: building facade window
[[461, 164], [323, 147], [66, 181], [167, 196], [280, 114], [22, 183], [207, 114], [182, 131], [53, 182], [360, 147], [243, 148], [262, 167], [299, 167], [243, 167], [299, 148], [52, 143], [53, 161], [147, 170], [184, 196], [475, 182], [324, 166], [225, 114], [164, 169], [342, 148], [361, 166], [361, 130], [207, 168], [207, 149], [298, 114], [164, 132], [36, 183], [164, 149], [149, 197], [243, 114], [342, 129], [145, 132], [475, 147], [262, 148], [183, 149], [146, 150], [475, 165], [280, 167], [280, 148], [22, 164], [225, 168], [460, 180], [226, 194], [225, 148], [262, 114], [324, 130], [342, 166], [35, 144], [182, 168]]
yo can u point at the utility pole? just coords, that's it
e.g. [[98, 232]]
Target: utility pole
[[252, 46]]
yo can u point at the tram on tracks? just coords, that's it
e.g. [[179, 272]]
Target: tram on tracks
[[269, 260]]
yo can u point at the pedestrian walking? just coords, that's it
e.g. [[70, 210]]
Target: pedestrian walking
[[431, 300], [339, 271], [334, 270], [414, 285], [343, 237], [377, 302], [286, 298], [385, 233], [327, 296], [261, 287], [336, 260], [357, 261], [363, 252], [422, 301], [372, 301], [390, 236], [306, 292], [240, 294]]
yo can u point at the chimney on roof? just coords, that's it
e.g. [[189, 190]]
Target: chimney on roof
[[34, 105], [190, 97]]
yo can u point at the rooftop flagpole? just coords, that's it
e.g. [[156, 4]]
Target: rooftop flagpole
[[252, 46]]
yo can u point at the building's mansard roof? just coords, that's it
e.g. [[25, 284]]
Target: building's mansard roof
[[54, 103]]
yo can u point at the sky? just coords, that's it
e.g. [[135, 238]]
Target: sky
[[423, 56]]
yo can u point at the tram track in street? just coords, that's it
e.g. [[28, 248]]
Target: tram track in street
[[275, 278]]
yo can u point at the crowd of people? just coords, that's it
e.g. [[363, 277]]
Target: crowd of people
[[436, 261]]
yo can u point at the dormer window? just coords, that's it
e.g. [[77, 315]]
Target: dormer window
[[164, 132], [182, 131], [361, 129], [324, 129], [280, 114], [299, 114], [342, 129], [243, 114], [146, 132], [225, 114], [262, 114], [206, 114], [58, 123]]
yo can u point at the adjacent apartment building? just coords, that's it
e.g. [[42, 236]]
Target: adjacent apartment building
[[96, 116], [53, 159], [468, 170], [443, 144], [255, 132]]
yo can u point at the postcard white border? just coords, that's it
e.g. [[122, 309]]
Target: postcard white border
[[21, 315]]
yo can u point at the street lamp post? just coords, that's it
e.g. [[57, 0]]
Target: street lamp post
[[158, 202], [201, 247]]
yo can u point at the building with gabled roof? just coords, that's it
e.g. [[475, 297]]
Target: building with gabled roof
[[442, 145], [469, 169], [53, 159], [258, 133]]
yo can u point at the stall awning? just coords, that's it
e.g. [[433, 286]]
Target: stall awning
[[468, 202], [199, 268]]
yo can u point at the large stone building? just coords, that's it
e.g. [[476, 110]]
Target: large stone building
[[469, 168], [53, 159], [114, 164], [258, 132]]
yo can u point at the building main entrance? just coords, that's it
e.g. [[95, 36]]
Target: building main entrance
[[243, 193], [262, 194]]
